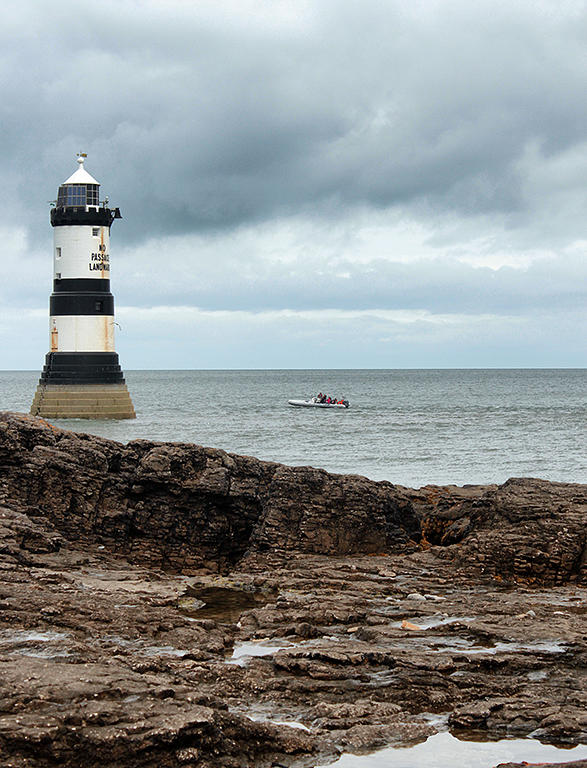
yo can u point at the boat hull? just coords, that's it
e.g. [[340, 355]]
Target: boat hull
[[309, 404]]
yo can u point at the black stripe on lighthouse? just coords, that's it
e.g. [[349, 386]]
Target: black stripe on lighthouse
[[81, 368], [81, 304], [97, 217], [81, 285]]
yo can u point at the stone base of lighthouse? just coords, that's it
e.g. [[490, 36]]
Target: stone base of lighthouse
[[82, 385]]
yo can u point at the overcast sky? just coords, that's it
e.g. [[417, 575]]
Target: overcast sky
[[329, 183]]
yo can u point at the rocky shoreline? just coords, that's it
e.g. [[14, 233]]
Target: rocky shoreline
[[173, 605]]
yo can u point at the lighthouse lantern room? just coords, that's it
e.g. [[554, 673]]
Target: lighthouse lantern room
[[82, 377]]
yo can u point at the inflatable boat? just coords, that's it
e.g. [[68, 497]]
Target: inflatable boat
[[314, 403]]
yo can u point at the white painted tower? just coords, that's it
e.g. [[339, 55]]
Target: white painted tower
[[82, 377]]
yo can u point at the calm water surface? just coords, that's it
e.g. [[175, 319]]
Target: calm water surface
[[411, 427], [444, 751]]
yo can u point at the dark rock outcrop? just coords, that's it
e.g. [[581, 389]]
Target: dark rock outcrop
[[180, 506]]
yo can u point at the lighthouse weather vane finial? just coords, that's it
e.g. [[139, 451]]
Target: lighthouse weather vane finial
[[81, 156]]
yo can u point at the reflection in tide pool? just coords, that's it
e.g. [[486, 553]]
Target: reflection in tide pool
[[243, 651], [444, 751]]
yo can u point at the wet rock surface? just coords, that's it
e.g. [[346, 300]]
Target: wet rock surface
[[172, 605]]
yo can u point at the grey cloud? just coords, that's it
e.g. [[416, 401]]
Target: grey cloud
[[197, 123], [441, 286]]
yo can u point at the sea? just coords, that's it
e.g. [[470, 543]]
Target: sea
[[411, 427]]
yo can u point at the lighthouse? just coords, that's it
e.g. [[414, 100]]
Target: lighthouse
[[82, 377]]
